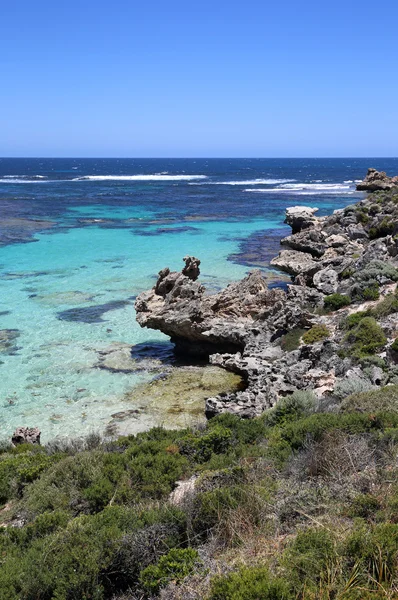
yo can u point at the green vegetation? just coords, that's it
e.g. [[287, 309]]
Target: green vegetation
[[291, 340], [336, 301], [299, 497], [365, 337], [250, 584], [317, 333], [173, 566], [380, 399]]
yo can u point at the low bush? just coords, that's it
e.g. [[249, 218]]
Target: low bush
[[336, 301], [299, 404], [291, 340], [317, 333], [310, 556], [364, 506], [173, 566], [394, 345], [354, 385], [367, 337], [250, 584], [380, 399]]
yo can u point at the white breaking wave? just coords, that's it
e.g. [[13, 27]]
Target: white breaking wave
[[17, 180], [156, 177], [28, 177], [248, 182], [308, 189]]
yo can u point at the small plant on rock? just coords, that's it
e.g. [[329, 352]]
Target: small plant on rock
[[336, 301], [317, 333]]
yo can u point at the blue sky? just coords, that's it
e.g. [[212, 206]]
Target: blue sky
[[180, 79]]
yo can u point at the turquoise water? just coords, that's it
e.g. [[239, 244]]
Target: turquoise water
[[80, 239], [52, 380]]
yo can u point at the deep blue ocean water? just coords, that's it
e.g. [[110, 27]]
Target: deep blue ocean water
[[80, 238]]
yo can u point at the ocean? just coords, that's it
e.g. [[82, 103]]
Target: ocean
[[81, 238]]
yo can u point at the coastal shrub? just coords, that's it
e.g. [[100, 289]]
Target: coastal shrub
[[375, 548], [19, 467], [216, 440], [380, 399], [250, 583], [299, 404], [365, 291], [394, 345], [336, 301], [173, 566], [367, 337], [310, 555], [139, 549], [364, 506], [291, 340], [292, 436], [378, 270], [385, 227], [352, 385], [316, 334], [386, 307]]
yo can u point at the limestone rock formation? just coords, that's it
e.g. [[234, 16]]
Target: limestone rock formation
[[377, 180], [300, 217], [26, 435], [353, 252]]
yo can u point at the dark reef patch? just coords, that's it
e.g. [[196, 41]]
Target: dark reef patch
[[259, 248], [7, 341], [90, 314]]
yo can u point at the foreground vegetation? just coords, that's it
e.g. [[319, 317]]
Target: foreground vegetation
[[295, 504]]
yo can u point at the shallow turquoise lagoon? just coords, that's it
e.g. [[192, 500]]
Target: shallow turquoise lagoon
[[51, 379]]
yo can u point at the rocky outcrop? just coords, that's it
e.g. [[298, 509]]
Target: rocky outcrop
[[26, 435], [300, 217], [353, 252], [377, 180], [203, 324]]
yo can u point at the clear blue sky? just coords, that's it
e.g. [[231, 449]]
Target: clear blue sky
[[210, 78]]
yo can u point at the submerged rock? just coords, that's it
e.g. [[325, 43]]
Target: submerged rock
[[177, 399], [8, 339]]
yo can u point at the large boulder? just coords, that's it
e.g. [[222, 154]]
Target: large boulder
[[300, 217], [377, 180]]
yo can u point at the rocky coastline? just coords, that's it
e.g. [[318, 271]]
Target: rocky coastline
[[301, 338]]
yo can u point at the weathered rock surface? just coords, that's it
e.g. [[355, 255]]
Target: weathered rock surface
[[300, 217], [26, 435], [377, 180], [243, 326]]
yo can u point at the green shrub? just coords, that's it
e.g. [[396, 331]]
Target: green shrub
[[250, 583], [173, 566], [291, 340], [380, 399], [367, 337], [336, 301], [394, 345], [291, 408], [292, 436], [310, 554], [364, 506], [354, 385], [316, 334], [376, 549], [216, 440]]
